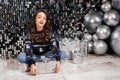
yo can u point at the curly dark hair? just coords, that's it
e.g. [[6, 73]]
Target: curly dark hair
[[45, 32]]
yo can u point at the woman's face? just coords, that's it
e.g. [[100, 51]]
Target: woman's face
[[40, 19]]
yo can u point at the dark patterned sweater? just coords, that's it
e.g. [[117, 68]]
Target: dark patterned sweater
[[40, 48]]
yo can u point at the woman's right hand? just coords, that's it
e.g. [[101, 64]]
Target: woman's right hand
[[33, 69], [57, 67]]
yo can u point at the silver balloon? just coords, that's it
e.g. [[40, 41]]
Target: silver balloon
[[103, 32], [111, 18], [116, 4], [93, 20], [94, 37], [87, 36], [106, 6], [90, 46], [115, 40], [100, 47]]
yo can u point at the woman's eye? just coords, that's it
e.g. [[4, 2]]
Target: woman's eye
[[44, 18], [39, 17]]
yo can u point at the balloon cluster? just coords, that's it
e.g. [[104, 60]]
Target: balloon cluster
[[102, 25]]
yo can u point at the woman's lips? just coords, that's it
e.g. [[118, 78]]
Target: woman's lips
[[41, 22]]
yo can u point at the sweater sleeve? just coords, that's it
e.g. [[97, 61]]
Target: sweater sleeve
[[55, 46], [28, 50]]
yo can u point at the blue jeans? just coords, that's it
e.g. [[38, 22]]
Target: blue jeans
[[22, 56]]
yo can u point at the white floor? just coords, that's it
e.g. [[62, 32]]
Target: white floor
[[93, 67]]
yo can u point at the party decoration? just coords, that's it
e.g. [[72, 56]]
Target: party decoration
[[90, 46], [94, 37], [87, 36], [100, 47], [116, 4], [52, 2], [111, 18], [106, 6], [103, 32], [93, 20], [104, 0], [115, 40]]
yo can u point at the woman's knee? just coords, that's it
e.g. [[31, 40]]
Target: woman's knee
[[63, 55], [21, 57]]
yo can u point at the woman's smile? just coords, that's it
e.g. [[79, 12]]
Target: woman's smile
[[41, 22]]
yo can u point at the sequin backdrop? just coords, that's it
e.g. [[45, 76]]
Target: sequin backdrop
[[15, 16]]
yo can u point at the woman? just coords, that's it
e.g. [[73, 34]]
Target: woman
[[40, 41]]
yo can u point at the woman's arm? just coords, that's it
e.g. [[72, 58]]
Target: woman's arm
[[55, 46], [28, 50]]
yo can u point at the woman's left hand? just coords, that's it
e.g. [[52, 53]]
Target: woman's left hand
[[57, 67]]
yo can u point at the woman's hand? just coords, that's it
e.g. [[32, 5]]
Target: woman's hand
[[57, 67], [33, 69]]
